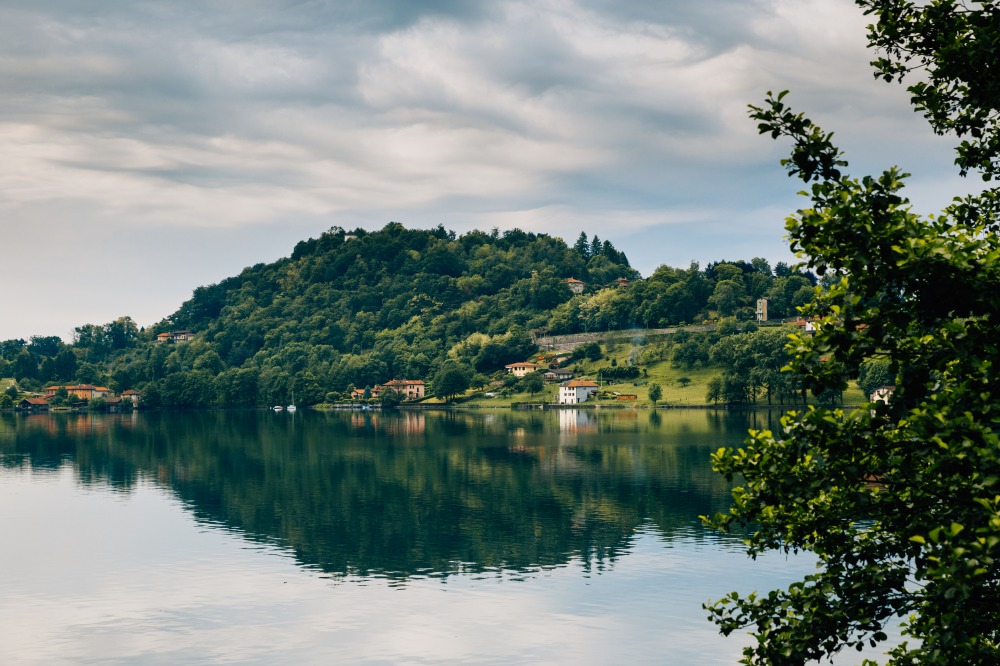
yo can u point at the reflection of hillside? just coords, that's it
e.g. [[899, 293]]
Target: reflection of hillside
[[400, 493]]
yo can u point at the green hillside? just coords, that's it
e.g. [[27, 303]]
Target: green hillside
[[354, 309]]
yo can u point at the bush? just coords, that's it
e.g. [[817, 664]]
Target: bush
[[590, 351], [620, 372]]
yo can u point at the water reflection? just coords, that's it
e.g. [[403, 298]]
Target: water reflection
[[408, 494]]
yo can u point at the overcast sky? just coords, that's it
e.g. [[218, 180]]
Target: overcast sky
[[152, 146]]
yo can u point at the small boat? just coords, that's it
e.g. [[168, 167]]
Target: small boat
[[291, 408], [278, 408]]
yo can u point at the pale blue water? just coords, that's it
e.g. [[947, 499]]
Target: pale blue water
[[394, 539]]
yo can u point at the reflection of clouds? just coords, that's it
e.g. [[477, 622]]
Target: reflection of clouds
[[90, 574], [137, 580]]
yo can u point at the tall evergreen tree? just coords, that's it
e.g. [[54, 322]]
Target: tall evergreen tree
[[595, 246], [582, 246]]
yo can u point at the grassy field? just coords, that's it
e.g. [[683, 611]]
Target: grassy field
[[676, 392]]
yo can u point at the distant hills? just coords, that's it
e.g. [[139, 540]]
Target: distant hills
[[352, 309]]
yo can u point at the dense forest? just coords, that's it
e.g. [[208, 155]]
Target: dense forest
[[355, 309]]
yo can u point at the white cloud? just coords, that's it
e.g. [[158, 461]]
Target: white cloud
[[227, 123]]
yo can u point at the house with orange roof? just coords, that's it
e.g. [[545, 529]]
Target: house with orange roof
[[33, 405], [807, 326], [81, 391], [576, 391], [409, 389], [521, 369], [576, 286], [175, 336]]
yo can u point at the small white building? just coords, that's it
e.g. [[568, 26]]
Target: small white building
[[882, 394], [576, 286], [576, 391]]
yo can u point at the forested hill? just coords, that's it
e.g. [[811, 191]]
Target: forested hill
[[406, 294], [352, 309]]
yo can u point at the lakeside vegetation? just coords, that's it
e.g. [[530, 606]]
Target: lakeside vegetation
[[350, 310]]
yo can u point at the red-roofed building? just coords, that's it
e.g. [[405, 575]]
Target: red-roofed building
[[33, 405], [521, 369], [175, 336], [576, 391], [81, 391], [409, 389]]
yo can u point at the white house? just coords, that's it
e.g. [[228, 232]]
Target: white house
[[882, 394], [576, 391]]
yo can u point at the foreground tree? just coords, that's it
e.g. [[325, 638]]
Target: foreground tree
[[901, 502]]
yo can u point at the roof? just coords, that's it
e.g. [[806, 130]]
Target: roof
[[521, 365], [36, 401], [575, 383], [79, 387], [404, 382], [131, 392], [574, 280]]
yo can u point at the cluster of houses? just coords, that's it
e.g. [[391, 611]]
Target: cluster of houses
[[175, 336], [571, 391], [80, 392], [408, 389]]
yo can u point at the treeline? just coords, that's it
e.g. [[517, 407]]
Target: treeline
[[355, 309], [672, 296]]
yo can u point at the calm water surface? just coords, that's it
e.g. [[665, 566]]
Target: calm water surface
[[567, 537]]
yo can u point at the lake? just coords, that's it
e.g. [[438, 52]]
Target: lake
[[404, 537]]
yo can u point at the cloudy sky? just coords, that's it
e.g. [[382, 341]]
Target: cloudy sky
[[152, 146]]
